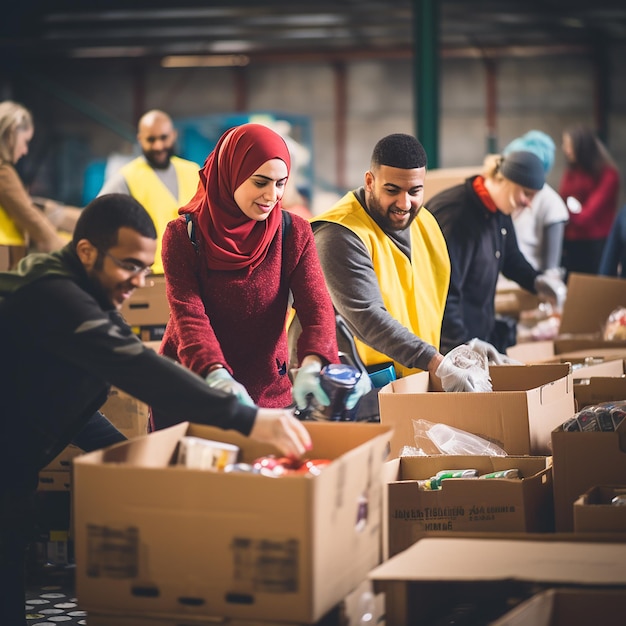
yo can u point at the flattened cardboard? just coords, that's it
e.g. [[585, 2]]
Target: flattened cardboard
[[468, 505], [433, 572], [594, 513], [156, 538], [581, 460], [527, 403]]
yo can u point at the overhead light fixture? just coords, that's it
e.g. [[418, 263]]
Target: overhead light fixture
[[205, 60]]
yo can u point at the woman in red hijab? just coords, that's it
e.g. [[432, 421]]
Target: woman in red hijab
[[229, 268]]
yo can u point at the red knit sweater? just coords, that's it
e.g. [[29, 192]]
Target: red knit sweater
[[237, 318]]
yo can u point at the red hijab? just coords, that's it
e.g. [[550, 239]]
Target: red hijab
[[230, 239]]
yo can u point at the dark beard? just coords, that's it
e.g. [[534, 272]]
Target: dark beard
[[159, 166]]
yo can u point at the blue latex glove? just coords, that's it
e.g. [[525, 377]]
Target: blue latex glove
[[307, 382], [221, 379], [363, 386]]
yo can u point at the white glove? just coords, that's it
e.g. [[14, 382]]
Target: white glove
[[463, 369], [551, 288], [490, 353], [363, 386], [221, 379], [307, 381]]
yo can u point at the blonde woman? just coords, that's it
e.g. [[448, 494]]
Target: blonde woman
[[23, 224]]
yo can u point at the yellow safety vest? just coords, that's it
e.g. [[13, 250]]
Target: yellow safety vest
[[414, 292], [146, 187], [10, 234]]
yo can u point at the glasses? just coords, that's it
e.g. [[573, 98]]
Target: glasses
[[134, 269]]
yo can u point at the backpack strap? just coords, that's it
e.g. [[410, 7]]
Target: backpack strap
[[286, 217], [286, 221], [191, 231]]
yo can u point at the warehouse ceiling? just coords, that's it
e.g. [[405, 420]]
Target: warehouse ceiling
[[208, 30]]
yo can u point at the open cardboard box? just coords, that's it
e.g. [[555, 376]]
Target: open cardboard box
[[590, 300], [434, 575], [526, 404], [569, 606], [594, 512], [360, 606], [152, 537], [467, 504], [582, 460], [585, 363], [600, 389]]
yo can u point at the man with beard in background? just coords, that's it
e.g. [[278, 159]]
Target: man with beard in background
[[158, 180]]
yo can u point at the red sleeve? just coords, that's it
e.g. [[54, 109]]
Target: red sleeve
[[601, 200], [198, 347]]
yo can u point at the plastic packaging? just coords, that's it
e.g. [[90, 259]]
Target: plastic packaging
[[450, 440], [509, 473], [615, 326], [605, 416]]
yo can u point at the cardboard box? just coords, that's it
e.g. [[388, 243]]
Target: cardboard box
[[527, 403], [565, 607], [600, 389], [128, 414], [504, 505], [156, 538], [590, 300], [582, 460], [593, 511], [54, 481], [442, 178], [148, 306], [361, 606], [63, 461], [425, 581]]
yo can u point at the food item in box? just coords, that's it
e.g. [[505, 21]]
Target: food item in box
[[615, 327], [282, 466], [198, 453]]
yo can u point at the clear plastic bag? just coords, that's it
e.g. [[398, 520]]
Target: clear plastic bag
[[464, 369], [434, 439]]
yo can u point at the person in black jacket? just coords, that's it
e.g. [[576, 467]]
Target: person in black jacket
[[475, 218], [64, 342]]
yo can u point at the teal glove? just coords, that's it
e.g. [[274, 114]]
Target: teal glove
[[307, 382], [221, 379], [363, 386]]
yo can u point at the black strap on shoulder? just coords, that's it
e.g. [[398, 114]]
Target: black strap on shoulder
[[286, 216], [286, 221], [191, 231]]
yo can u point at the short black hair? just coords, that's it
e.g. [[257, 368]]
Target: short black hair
[[399, 150], [100, 221]]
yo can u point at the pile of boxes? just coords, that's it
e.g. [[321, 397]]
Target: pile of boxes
[[161, 545]]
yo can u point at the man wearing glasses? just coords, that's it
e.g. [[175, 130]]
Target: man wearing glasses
[[64, 342], [159, 180]]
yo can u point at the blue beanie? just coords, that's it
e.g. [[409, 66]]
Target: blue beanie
[[523, 168], [536, 142]]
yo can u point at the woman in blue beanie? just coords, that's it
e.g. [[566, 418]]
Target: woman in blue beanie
[[540, 227], [475, 218]]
